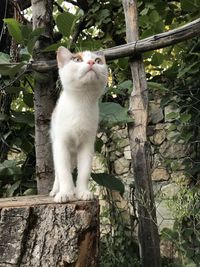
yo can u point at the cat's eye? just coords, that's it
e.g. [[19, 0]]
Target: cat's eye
[[77, 59], [98, 60]]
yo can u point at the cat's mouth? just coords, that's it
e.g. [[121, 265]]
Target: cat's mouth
[[91, 70], [89, 74]]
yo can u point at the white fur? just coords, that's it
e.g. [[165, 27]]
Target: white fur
[[74, 125]]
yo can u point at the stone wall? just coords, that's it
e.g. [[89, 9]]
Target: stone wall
[[168, 170]]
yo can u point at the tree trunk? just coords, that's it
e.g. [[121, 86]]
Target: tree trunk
[[138, 108], [44, 96], [36, 232]]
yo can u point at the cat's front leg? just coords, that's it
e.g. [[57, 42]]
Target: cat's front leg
[[55, 188], [62, 164], [85, 155]]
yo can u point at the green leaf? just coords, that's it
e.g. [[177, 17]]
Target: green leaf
[[147, 33], [154, 16], [112, 113], [185, 117], [172, 115], [30, 192], [186, 136], [65, 23], [109, 181], [157, 59], [159, 86], [4, 58], [33, 38], [11, 69], [26, 146], [169, 234], [104, 16], [10, 191], [172, 127], [31, 44], [24, 54], [28, 99], [98, 145], [26, 31], [3, 117], [14, 89], [53, 47], [23, 117], [126, 85], [189, 5], [191, 263], [90, 44], [6, 68], [144, 21], [9, 168], [36, 32], [183, 71], [14, 29], [171, 73]]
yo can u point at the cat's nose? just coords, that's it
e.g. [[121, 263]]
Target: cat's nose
[[91, 62]]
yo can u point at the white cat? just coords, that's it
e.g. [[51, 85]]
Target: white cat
[[75, 120]]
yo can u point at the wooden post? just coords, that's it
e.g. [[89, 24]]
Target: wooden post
[[138, 108], [35, 232]]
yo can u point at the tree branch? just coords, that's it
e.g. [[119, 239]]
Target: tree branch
[[154, 42], [157, 41]]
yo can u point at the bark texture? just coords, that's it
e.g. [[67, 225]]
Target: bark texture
[[138, 109], [36, 232], [44, 96]]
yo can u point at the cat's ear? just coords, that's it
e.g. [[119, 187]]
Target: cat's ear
[[63, 56]]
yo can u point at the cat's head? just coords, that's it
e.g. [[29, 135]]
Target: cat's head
[[83, 70]]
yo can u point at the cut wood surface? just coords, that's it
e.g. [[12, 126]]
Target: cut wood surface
[[35, 231]]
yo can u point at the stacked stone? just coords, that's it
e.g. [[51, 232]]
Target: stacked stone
[[168, 155]]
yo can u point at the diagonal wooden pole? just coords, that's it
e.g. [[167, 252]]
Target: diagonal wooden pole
[[138, 107], [153, 42]]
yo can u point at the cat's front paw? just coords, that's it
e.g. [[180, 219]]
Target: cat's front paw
[[55, 188], [84, 195], [53, 193], [62, 197]]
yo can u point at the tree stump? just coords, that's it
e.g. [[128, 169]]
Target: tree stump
[[35, 231]]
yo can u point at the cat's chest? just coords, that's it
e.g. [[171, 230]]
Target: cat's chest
[[77, 115]]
